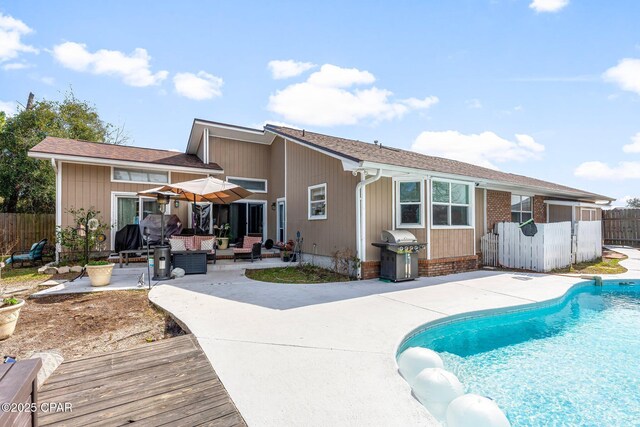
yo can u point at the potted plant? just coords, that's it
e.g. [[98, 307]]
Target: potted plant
[[99, 272], [223, 239], [9, 313], [285, 255]]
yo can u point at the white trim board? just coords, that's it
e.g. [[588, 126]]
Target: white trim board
[[108, 162]]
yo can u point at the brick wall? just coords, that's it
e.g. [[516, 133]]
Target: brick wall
[[498, 207], [433, 267], [539, 209]]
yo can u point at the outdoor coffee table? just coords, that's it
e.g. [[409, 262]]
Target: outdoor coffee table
[[192, 262], [124, 255]]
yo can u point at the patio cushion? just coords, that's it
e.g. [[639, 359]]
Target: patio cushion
[[242, 250], [187, 240], [197, 243], [177, 244], [207, 245]]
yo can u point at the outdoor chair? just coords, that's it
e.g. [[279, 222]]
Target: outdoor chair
[[31, 256], [251, 248]]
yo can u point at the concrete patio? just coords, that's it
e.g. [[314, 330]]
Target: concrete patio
[[126, 278], [324, 354]]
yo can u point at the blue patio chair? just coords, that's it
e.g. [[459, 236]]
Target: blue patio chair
[[32, 256]]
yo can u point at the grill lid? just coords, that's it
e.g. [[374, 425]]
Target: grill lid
[[398, 237]]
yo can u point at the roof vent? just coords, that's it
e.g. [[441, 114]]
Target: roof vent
[[302, 132]]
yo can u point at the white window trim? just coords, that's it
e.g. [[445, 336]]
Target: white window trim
[[284, 222], [397, 204], [592, 214], [317, 217], [266, 183], [521, 211], [156, 184], [114, 207], [471, 205]]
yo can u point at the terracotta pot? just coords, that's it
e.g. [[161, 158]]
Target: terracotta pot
[[223, 242], [100, 275], [8, 317]]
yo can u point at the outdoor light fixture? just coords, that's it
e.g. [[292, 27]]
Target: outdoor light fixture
[[176, 203], [273, 206]]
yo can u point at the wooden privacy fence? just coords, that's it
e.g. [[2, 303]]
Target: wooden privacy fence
[[621, 226], [489, 248], [25, 229]]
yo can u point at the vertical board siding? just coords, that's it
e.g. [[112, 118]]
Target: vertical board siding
[[451, 242], [18, 231], [306, 167], [85, 186], [379, 199], [549, 249], [621, 227]]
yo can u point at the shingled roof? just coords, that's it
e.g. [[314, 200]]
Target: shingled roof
[[73, 147], [359, 151]]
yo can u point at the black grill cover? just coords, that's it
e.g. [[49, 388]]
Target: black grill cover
[[529, 229], [128, 237], [172, 225]]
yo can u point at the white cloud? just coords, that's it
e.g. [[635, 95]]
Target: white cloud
[[289, 68], [420, 104], [48, 80], [602, 171], [133, 68], [327, 98], [548, 5], [11, 32], [15, 66], [198, 86], [338, 77], [473, 103], [483, 149], [626, 75], [9, 107], [634, 147]]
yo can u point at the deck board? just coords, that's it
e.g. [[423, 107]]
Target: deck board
[[166, 383]]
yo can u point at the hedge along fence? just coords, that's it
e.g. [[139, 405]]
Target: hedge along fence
[[23, 230]]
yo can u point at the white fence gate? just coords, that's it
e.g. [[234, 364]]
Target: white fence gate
[[588, 240], [489, 248], [549, 249]]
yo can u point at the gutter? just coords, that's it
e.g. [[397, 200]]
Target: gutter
[[361, 215]]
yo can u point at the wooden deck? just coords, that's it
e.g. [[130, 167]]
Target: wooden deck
[[166, 383]]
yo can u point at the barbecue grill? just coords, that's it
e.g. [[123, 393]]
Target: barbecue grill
[[399, 255]]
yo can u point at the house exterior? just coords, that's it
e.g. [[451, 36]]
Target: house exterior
[[339, 193]]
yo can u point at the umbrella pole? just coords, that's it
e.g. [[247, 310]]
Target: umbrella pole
[[193, 215]]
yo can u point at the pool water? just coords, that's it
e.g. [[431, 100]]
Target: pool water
[[575, 362]]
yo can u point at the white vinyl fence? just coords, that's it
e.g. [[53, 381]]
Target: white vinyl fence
[[549, 249], [588, 240]]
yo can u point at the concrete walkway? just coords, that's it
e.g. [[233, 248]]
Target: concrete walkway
[[318, 355]]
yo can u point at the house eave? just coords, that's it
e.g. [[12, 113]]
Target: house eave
[[224, 130], [125, 163]]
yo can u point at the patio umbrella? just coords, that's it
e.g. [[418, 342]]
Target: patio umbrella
[[202, 190]]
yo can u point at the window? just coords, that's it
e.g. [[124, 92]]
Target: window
[[254, 185], [409, 205], [140, 175], [521, 208], [587, 214], [451, 204], [318, 201]]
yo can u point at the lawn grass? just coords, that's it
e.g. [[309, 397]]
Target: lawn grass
[[296, 274], [602, 266], [18, 275]]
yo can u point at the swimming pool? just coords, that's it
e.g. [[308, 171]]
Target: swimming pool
[[572, 361]]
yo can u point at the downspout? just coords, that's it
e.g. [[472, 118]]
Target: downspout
[[360, 214], [57, 167]]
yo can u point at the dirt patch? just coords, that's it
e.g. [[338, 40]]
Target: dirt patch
[[85, 324]]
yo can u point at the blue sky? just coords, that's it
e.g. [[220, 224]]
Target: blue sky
[[546, 88]]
